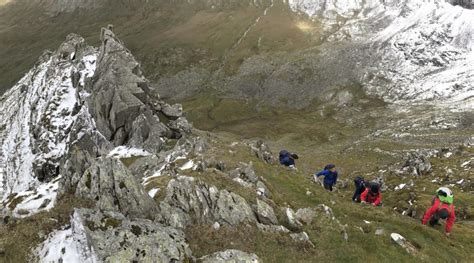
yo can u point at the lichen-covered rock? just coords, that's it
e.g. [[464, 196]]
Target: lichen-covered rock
[[109, 183], [116, 238], [190, 200], [230, 256], [265, 213]]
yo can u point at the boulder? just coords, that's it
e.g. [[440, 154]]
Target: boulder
[[302, 237], [291, 219], [305, 215], [189, 200], [173, 111], [265, 213], [115, 238], [400, 240], [230, 256]]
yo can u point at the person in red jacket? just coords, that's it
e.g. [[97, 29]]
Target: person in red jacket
[[372, 194], [441, 210]]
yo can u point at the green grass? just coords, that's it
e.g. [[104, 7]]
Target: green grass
[[288, 188]]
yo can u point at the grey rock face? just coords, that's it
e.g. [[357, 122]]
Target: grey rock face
[[114, 188], [265, 213], [231, 256], [116, 238], [123, 104], [190, 200]]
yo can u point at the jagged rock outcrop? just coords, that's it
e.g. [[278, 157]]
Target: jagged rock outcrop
[[111, 237], [231, 256], [190, 200], [39, 113], [120, 98]]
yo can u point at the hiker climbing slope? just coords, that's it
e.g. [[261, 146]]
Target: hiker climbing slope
[[441, 208], [359, 183], [287, 158], [372, 194], [330, 176]]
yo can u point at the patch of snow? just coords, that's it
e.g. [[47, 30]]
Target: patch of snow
[[367, 222], [465, 164], [155, 174], [424, 49], [153, 192], [188, 165], [400, 187], [42, 198], [460, 181], [37, 113], [127, 152], [67, 245]]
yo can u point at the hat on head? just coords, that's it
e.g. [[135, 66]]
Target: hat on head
[[329, 166]]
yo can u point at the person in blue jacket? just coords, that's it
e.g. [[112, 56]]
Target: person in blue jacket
[[330, 176], [287, 158]]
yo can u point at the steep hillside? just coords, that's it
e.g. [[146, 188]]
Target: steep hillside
[[96, 167]]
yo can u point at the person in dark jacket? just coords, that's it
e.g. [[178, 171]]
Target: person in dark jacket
[[330, 176], [287, 158], [372, 194], [359, 188]]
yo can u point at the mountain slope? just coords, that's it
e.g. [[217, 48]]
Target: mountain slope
[[401, 51]]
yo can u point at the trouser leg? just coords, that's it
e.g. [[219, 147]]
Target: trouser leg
[[328, 187], [434, 219]]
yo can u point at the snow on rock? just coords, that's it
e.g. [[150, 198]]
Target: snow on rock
[[34, 201], [37, 116], [188, 165], [400, 187], [423, 50], [153, 192], [67, 245], [127, 152], [400, 240]]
